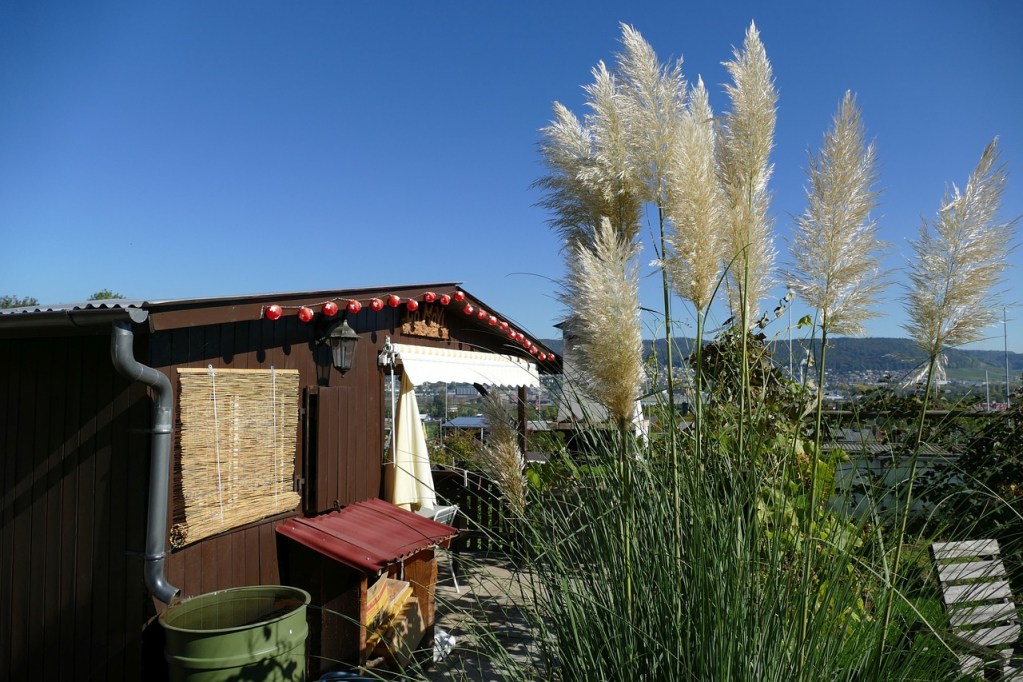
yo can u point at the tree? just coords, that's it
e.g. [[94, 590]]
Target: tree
[[105, 295], [11, 301]]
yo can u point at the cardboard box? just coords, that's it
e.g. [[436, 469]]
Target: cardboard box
[[402, 638], [395, 594]]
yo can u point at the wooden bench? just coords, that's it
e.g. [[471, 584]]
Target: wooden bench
[[984, 621]]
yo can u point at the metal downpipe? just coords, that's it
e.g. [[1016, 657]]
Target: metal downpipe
[[123, 355]]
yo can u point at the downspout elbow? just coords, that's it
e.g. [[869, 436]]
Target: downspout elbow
[[123, 356]]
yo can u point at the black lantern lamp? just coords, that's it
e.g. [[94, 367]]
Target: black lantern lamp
[[342, 340]]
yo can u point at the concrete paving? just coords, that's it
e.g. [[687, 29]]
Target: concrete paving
[[486, 614]]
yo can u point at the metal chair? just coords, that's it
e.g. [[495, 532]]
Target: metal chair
[[446, 515], [984, 620]]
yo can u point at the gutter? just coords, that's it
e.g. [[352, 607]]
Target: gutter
[[123, 355], [70, 318]]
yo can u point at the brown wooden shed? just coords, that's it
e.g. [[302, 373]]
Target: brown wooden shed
[[76, 446]]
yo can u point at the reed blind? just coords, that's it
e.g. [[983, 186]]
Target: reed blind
[[238, 432]]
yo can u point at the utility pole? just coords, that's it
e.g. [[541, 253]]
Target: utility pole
[[1005, 338], [791, 298]]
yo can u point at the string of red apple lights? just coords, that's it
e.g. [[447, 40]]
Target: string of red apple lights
[[330, 308]]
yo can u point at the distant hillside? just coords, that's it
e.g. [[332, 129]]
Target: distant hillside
[[847, 355]]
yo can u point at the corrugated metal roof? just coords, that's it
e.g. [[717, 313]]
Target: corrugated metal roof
[[477, 422], [109, 304], [367, 536], [873, 448], [85, 314]]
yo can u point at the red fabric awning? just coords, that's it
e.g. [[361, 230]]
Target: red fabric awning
[[367, 536]]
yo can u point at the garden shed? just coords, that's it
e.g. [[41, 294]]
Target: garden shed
[[149, 450]]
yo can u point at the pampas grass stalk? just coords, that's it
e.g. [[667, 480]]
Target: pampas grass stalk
[[654, 105], [836, 251], [960, 258], [696, 211], [745, 140], [500, 458], [604, 290]]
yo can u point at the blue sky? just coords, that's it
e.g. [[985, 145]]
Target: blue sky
[[195, 149]]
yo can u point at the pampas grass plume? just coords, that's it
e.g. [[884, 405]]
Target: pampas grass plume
[[746, 139], [960, 258], [603, 294], [500, 458], [836, 248], [654, 102], [695, 206]]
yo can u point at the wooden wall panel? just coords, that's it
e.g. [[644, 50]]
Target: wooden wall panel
[[67, 530], [102, 492], [25, 455], [9, 404], [74, 470], [51, 569], [66, 511]]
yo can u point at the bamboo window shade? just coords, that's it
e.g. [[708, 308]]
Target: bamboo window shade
[[238, 433]]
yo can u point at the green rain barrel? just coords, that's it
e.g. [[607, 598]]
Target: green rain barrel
[[245, 633]]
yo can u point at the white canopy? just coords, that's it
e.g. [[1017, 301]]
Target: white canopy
[[425, 365]]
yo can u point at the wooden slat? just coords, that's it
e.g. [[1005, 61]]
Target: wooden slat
[[971, 570], [19, 491], [69, 505], [52, 567], [117, 572], [359, 457], [992, 637], [351, 453], [136, 498], [229, 571], [8, 441], [251, 555], [1014, 674], [196, 347], [328, 448], [84, 554], [269, 574], [237, 539], [102, 491], [977, 615], [207, 567], [976, 592], [323, 466], [970, 664], [192, 584], [965, 548]]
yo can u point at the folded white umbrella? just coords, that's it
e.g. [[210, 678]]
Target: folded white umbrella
[[408, 480]]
